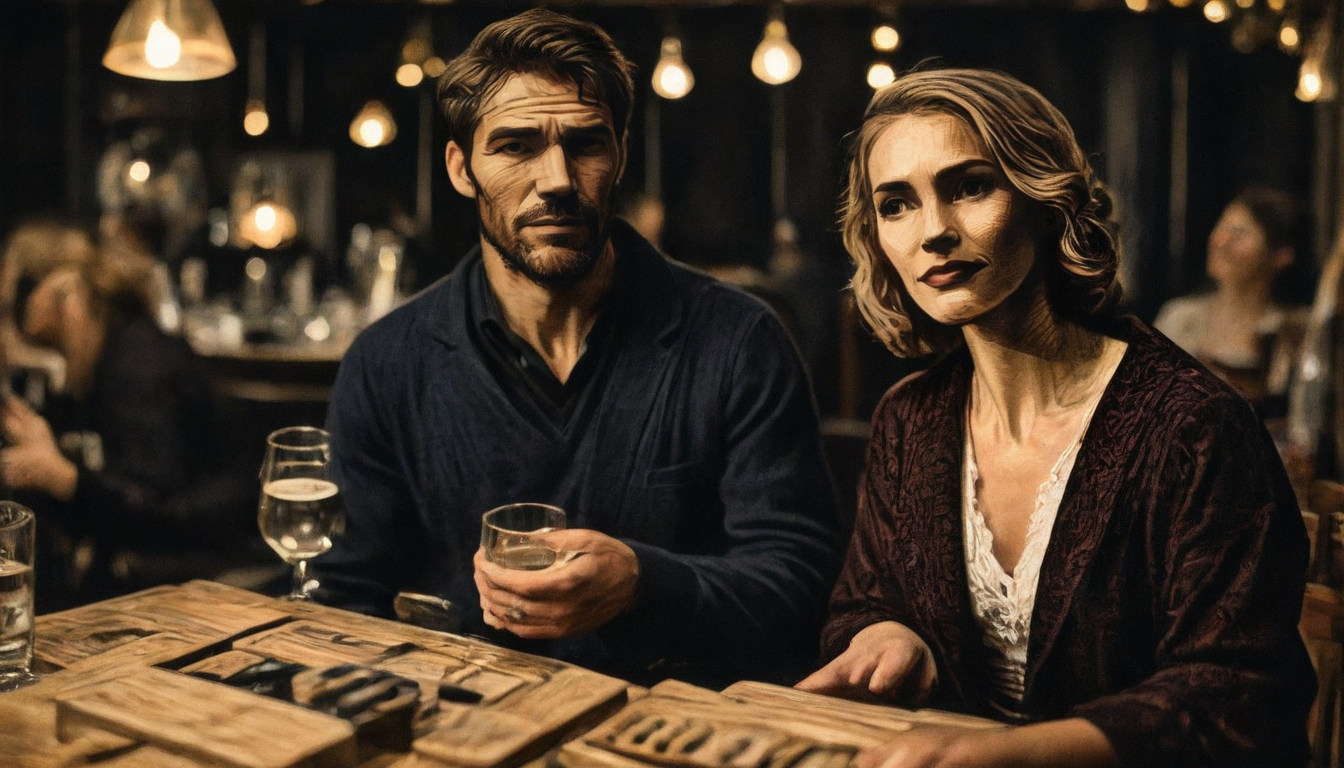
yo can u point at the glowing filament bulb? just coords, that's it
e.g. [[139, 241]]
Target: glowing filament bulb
[[776, 61], [1289, 37], [163, 48], [1215, 11], [138, 172], [672, 79], [1137, 6], [410, 75], [880, 74], [885, 38], [255, 119], [265, 217], [373, 126]]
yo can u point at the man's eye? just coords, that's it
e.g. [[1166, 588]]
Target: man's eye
[[511, 148]]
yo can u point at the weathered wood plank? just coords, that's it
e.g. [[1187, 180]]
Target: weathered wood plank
[[790, 700], [188, 716], [526, 725]]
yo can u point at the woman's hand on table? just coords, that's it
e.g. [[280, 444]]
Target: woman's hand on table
[[593, 579], [886, 661], [1073, 743], [31, 460]]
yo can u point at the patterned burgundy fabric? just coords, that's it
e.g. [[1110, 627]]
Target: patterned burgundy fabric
[[1170, 592]]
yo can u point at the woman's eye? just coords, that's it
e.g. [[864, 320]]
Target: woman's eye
[[892, 206], [975, 187]]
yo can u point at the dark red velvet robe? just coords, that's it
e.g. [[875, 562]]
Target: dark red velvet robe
[[1168, 601]]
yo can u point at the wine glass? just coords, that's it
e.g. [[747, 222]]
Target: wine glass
[[300, 508]]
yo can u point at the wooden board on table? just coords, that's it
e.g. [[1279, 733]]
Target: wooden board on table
[[747, 725], [198, 611], [788, 701], [199, 719], [524, 724]]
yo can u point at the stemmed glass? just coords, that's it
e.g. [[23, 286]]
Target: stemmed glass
[[300, 508]]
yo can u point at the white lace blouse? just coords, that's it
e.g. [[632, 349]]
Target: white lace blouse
[[1002, 603]]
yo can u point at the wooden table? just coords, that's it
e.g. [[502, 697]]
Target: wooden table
[[133, 682]]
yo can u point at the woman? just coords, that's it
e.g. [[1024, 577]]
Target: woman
[[137, 470], [1239, 330], [1065, 521]]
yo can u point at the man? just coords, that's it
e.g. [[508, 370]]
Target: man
[[566, 361]]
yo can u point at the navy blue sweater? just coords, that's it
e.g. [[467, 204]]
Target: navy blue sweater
[[695, 442]]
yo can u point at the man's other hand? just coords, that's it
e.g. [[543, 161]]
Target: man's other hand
[[593, 579]]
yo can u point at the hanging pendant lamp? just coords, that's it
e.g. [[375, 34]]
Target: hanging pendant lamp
[[170, 40]]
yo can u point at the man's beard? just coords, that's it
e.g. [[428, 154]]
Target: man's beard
[[559, 260]]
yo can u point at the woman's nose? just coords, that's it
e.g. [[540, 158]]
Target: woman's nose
[[940, 236]]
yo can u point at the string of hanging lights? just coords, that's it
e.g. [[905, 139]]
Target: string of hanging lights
[[1284, 23]]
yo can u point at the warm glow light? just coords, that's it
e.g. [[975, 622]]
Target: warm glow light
[[255, 268], [163, 48], [371, 132], [266, 225], [1245, 3], [880, 74], [886, 38], [1180, 3], [170, 40], [138, 171], [1289, 37], [434, 66], [255, 119], [1137, 6], [1215, 11], [1276, 6], [265, 217], [373, 126], [672, 79], [776, 61], [1309, 82], [410, 75]]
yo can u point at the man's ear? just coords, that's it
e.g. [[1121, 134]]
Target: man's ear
[[625, 157], [456, 160], [1282, 257]]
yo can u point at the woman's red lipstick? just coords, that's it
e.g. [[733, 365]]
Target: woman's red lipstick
[[950, 273]]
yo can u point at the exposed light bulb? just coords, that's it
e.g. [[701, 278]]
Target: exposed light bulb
[[1216, 11], [1289, 38], [776, 61], [434, 66], [1180, 3], [373, 126], [880, 74], [163, 48], [1276, 6], [1309, 82], [138, 171], [266, 225], [672, 79], [410, 75], [1137, 6], [255, 119], [885, 38], [1245, 3]]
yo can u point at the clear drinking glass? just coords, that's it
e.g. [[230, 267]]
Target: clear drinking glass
[[300, 508], [16, 596], [509, 535]]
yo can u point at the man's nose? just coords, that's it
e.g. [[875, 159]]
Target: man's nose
[[554, 177], [939, 234]]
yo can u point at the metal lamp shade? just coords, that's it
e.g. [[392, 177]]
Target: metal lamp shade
[[170, 40]]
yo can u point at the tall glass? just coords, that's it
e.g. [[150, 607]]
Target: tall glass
[[300, 509], [16, 596]]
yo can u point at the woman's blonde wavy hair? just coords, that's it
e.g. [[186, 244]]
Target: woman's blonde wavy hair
[[1033, 145]]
